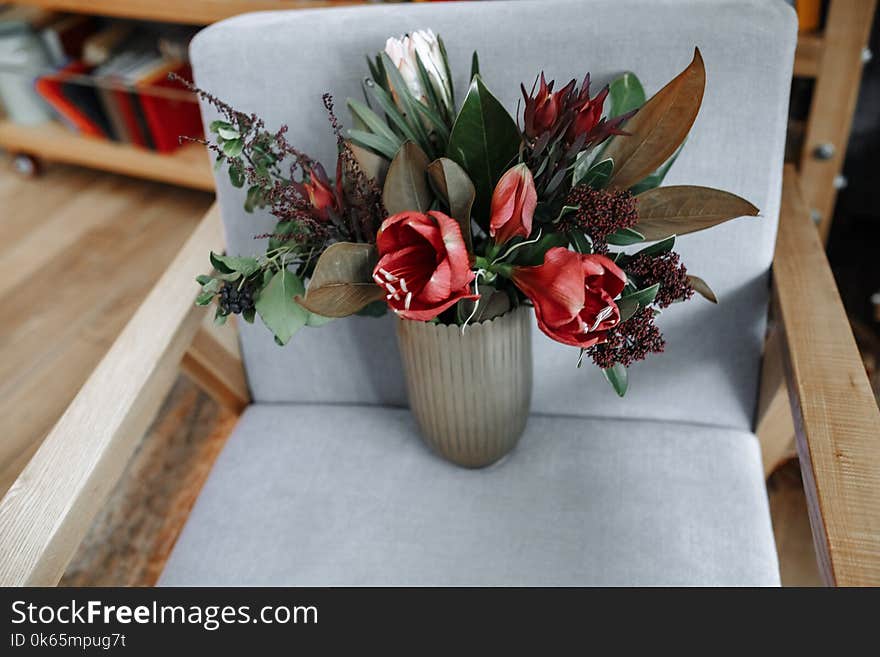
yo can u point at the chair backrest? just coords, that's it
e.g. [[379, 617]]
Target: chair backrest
[[278, 64]]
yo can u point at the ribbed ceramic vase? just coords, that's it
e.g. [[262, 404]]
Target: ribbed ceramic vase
[[470, 392]]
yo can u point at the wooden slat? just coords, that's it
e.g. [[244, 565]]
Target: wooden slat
[[213, 361], [775, 428], [808, 55], [189, 166], [836, 416], [839, 75], [194, 12], [49, 508]]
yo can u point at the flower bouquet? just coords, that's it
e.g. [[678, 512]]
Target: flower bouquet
[[460, 218]]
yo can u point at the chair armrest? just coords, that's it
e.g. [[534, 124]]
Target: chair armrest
[[47, 511], [836, 417]]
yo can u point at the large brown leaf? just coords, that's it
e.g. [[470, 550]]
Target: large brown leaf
[[343, 281], [455, 187], [682, 209], [659, 127], [373, 165], [702, 288], [406, 184]]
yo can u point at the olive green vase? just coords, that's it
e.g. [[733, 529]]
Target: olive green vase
[[469, 391]]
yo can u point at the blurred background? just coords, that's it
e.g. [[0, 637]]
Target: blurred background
[[97, 193]]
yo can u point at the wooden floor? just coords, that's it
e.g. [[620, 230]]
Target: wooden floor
[[78, 251]]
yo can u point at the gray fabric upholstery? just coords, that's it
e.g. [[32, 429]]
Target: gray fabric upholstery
[[347, 495], [279, 64]]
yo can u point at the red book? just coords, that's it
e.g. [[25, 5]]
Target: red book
[[52, 89], [169, 117]]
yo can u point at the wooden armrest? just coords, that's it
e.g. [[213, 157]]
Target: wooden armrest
[[47, 511], [836, 417]]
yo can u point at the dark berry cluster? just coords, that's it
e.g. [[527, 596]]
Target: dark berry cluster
[[665, 269], [599, 213], [629, 341], [234, 300]]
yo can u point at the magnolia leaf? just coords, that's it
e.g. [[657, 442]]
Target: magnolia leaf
[[484, 141], [627, 308], [626, 94], [702, 288], [657, 177], [595, 176], [373, 165], [663, 246], [277, 308], [453, 185], [682, 209], [659, 127], [492, 303], [406, 185], [617, 377], [343, 281]]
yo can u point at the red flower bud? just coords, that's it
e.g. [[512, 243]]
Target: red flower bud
[[423, 264], [513, 205], [320, 192], [573, 295], [542, 110]]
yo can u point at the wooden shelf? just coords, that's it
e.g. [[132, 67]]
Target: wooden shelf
[[808, 54], [189, 166], [193, 12]]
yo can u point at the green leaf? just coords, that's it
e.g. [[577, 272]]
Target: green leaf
[[204, 298], [627, 308], [626, 94], [643, 297], [533, 254], [203, 279], [315, 321], [595, 176], [229, 264], [405, 99], [236, 174], [702, 288], [254, 198], [213, 285], [580, 242], [373, 165], [374, 309], [617, 377], [373, 142], [343, 281], [448, 70], [625, 237], [484, 141], [372, 121], [452, 184], [475, 65], [387, 104], [406, 184], [233, 148], [220, 317], [663, 246], [282, 229], [248, 315], [276, 307], [216, 125], [228, 132]]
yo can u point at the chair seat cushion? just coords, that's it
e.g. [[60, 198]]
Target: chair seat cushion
[[332, 495]]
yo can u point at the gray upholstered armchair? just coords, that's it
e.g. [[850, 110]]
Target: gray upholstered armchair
[[324, 481]]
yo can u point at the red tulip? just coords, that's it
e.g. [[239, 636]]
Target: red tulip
[[513, 205], [423, 264], [320, 192], [573, 295]]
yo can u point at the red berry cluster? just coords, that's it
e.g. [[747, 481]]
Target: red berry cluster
[[665, 269], [629, 341], [599, 213]]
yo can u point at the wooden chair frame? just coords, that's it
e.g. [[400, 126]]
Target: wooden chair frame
[[49, 508]]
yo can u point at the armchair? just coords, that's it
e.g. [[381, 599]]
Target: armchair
[[324, 481]]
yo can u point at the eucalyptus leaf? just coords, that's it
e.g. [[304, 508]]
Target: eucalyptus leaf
[[342, 283], [277, 308], [228, 132], [220, 317], [229, 264], [452, 184], [484, 141], [248, 315], [233, 148], [617, 377], [406, 184], [204, 298], [203, 279]]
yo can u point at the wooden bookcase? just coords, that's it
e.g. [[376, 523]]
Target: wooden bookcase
[[188, 166]]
